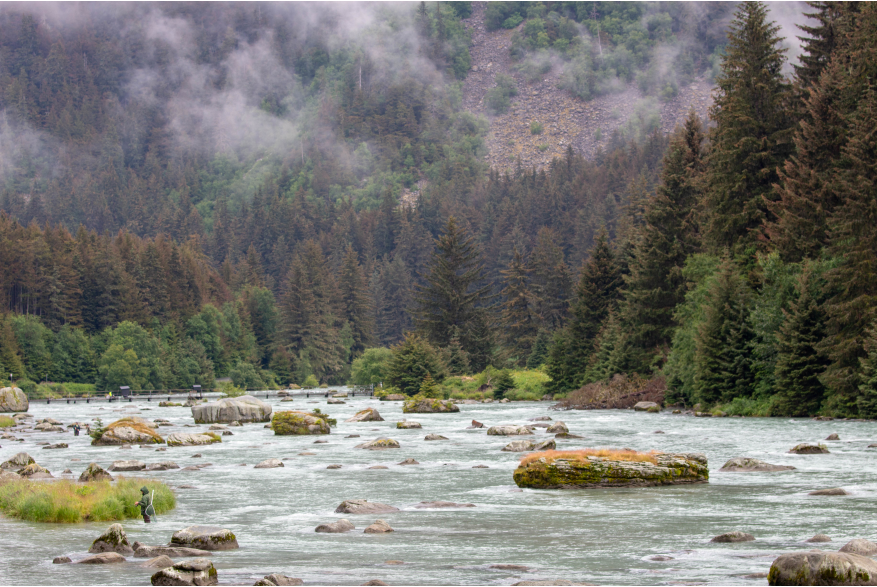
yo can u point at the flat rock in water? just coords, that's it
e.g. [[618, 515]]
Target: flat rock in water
[[428, 406], [557, 428], [819, 538], [736, 536], [519, 446], [269, 464], [162, 466], [245, 408], [330, 401], [105, 558], [822, 568], [861, 547], [205, 538], [55, 446], [159, 562], [549, 582], [505, 567], [808, 449], [563, 435], [379, 444], [338, 527], [363, 506], [379, 527], [480, 467], [408, 462], [833, 491], [334, 467], [199, 571], [60, 560], [434, 437], [379, 467], [540, 419], [187, 439], [352, 436], [113, 539], [127, 466], [374, 583], [747, 465], [366, 415], [508, 430], [408, 425], [646, 406], [442, 504], [145, 551]]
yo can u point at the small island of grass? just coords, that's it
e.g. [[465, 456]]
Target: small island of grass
[[69, 502]]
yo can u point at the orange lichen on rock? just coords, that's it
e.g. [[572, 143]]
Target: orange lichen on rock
[[614, 454]]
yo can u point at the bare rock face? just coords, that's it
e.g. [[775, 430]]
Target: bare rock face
[[12, 399], [127, 466], [269, 464], [205, 538], [747, 465], [94, 472], [129, 430], [366, 415], [379, 527], [508, 430], [245, 408], [379, 444], [860, 546], [199, 571], [338, 527], [105, 558], [809, 449], [735, 536], [363, 506], [113, 539], [822, 568]]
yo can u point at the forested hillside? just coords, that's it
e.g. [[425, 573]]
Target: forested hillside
[[260, 191]]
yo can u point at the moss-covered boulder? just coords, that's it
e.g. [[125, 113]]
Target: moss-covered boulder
[[129, 430], [199, 571], [34, 471], [366, 415], [379, 444], [809, 449], [12, 399], [408, 425], [94, 472], [578, 469], [294, 423], [205, 538], [822, 568], [508, 430], [245, 408], [186, 439], [424, 405], [18, 462], [113, 539]]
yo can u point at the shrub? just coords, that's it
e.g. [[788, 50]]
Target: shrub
[[531, 381], [535, 128], [512, 21], [230, 389], [371, 367], [543, 147], [97, 431], [498, 99], [324, 386], [430, 389], [6, 422], [246, 376], [521, 395], [28, 387], [310, 382]]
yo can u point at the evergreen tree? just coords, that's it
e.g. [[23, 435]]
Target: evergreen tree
[[867, 400], [452, 300], [564, 375], [551, 281], [752, 136], [429, 388], [655, 286], [10, 356], [413, 359], [723, 359], [799, 365], [519, 327], [503, 383], [834, 21], [356, 302], [540, 349]]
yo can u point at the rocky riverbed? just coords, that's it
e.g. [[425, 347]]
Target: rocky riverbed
[[645, 536]]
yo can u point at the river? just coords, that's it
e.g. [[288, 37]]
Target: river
[[603, 536]]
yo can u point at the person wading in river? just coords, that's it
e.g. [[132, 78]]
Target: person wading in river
[[145, 504]]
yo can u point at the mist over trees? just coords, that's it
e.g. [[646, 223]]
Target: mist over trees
[[280, 193]]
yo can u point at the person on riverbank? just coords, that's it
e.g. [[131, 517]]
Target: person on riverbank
[[145, 504]]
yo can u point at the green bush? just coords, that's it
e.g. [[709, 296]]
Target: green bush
[[531, 381], [28, 387], [310, 382], [521, 395], [246, 376], [543, 147], [498, 99], [371, 367], [535, 128], [512, 21], [6, 422], [229, 389]]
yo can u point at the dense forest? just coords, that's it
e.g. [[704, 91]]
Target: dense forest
[[271, 192]]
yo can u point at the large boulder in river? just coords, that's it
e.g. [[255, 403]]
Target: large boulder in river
[[529, 445], [12, 399], [129, 430], [379, 444], [408, 425], [747, 465], [245, 408], [113, 539], [647, 407], [735, 536], [363, 506], [94, 472], [809, 449], [104, 558], [379, 527], [205, 538], [18, 462], [822, 568], [294, 423], [187, 439], [425, 405], [508, 430], [582, 469], [127, 466], [860, 546], [199, 571], [34, 471], [366, 415], [557, 428]]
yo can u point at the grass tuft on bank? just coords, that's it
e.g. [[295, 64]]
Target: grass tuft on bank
[[6, 422], [580, 455], [69, 502]]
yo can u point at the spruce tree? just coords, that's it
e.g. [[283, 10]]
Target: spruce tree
[[834, 21], [655, 286], [413, 359], [853, 241], [723, 359], [752, 135], [503, 382], [453, 299], [519, 327], [551, 283], [799, 365], [867, 401], [355, 300], [540, 349]]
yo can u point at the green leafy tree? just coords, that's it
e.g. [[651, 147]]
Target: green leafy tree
[[371, 367], [412, 360], [10, 355], [246, 376], [119, 366]]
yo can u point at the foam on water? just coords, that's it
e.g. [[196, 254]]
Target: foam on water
[[600, 535]]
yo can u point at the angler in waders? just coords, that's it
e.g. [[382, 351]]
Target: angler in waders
[[145, 504]]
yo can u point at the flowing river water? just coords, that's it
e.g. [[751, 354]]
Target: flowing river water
[[602, 536]]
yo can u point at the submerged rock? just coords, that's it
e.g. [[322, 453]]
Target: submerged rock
[[379, 527], [809, 449], [338, 527], [13, 399], [245, 408], [408, 462], [199, 571], [746, 465], [833, 491], [366, 415], [379, 444], [592, 471], [145, 551], [423, 505], [113, 539], [105, 558], [819, 538], [735, 536], [861, 547], [205, 538], [363, 506], [822, 568], [298, 423], [434, 437], [94, 472]]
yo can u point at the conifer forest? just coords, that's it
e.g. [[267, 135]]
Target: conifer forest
[[294, 194]]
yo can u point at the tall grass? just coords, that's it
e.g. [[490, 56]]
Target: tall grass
[[69, 502], [580, 455], [6, 422]]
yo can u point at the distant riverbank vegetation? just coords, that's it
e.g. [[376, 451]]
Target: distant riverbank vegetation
[[335, 221], [66, 501]]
